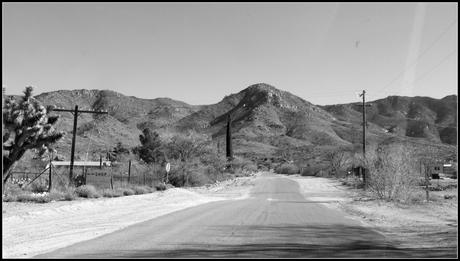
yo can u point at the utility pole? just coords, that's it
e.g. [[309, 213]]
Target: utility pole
[[364, 122], [364, 131], [75, 113], [50, 173], [229, 150], [3, 131]]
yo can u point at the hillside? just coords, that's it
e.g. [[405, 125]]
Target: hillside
[[127, 116], [266, 121], [431, 119], [263, 116], [100, 133]]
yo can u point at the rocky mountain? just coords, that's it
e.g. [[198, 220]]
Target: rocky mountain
[[265, 118], [431, 119], [265, 121], [127, 116]]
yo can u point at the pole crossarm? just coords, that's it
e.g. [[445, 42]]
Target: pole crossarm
[[82, 111], [75, 113]]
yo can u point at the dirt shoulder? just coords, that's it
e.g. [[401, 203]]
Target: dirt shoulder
[[425, 225], [30, 229]]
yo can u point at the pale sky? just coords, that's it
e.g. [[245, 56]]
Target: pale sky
[[325, 53]]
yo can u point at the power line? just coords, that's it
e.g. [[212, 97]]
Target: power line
[[437, 65], [420, 55], [443, 60]]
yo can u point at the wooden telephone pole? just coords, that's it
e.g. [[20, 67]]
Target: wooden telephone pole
[[229, 149], [364, 131], [75, 113]]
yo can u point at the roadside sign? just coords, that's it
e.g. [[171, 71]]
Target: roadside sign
[[98, 177], [168, 167]]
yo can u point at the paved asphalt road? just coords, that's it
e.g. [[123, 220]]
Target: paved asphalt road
[[275, 222]]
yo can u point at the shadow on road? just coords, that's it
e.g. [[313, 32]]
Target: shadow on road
[[284, 241]]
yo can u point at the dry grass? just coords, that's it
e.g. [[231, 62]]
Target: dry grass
[[142, 190], [14, 193], [87, 191], [287, 168]]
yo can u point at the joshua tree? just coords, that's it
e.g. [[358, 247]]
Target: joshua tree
[[149, 151], [229, 138], [27, 126]]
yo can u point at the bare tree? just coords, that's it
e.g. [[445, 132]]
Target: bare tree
[[393, 172], [338, 160]]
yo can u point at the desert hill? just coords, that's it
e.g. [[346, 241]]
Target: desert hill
[[127, 117], [265, 121], [432, 119]]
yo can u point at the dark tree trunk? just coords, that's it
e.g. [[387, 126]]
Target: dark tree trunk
[[8, 161], [229, 138]]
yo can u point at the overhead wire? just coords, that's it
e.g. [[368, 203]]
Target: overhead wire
[[419, 56]]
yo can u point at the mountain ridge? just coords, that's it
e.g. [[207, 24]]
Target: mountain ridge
[[265, 120]]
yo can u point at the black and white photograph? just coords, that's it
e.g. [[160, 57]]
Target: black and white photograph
[[230, 130]]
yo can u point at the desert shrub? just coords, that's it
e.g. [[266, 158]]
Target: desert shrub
[[87, 191], [189, 177], [108, 193], [128, 191], [251, 168], [117, 192], [25, 197], [20, 195], [85, 127], [31, 197], [141, 190], [160, 186], [10, 198], [392, 173], [37, 187], [190, 173], [69, 194], [196, 178], [309, 171], [246, 166], [12, 189], [352, 181], [262, 168], [43, 199], [338, 160], [186, 147], [341, 173], [213, 165], [287, 168], [217, 162], [242, 165], [322, 173]]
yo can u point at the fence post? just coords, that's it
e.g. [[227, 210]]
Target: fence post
[[111, 176], [364, 178], [49, 179], [129, 171], [153, 174], [427, 180], [121, 178]]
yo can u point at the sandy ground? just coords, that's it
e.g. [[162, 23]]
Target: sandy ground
[[430, 224], [30, 229]]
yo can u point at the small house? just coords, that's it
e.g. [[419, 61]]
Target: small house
[[434, 170]]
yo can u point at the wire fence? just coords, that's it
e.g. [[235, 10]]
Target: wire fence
[[119, 174]]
